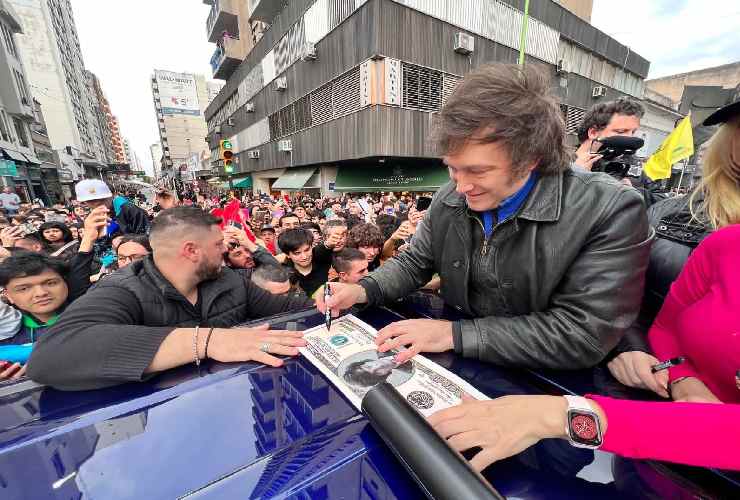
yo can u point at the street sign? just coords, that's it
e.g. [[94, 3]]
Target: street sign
[[8, 168]]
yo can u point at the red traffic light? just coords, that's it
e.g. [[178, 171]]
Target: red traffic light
[[228, 155]]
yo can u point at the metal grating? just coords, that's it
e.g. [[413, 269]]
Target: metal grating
[[345, 93], [573, 119], [274, 120], [449, 84], [422, 88], [302, 111], [321, 108]]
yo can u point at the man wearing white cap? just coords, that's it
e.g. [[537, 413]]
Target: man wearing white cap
[[129, 218]]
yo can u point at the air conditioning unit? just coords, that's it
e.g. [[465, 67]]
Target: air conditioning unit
[[286, 145], [254, 154], [280, 84], [598, 91], [249, 108], [464, 43], [562, 67], [230, 122], [309, 52]]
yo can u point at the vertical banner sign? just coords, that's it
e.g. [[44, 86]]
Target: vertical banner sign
[[178, 94], [365, 84], [393, 81]]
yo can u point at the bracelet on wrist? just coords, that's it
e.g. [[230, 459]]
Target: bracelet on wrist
[[195, 346], [208, 340], [679, 379]]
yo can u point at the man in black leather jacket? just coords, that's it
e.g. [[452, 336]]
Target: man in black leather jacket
[[547, 263]]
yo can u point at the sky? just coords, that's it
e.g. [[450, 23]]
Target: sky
[[676, 36], [122, 42]]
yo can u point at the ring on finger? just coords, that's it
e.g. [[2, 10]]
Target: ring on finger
[[265, 347]]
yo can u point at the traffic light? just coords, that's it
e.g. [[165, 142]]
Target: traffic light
[[227, 155]]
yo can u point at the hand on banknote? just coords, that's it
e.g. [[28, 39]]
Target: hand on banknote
[[343, 296], [418, 335], [501, 427]]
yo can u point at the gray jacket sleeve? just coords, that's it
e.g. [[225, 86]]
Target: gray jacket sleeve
[[597, 299]]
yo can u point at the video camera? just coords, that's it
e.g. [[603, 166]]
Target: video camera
[[618, 158]]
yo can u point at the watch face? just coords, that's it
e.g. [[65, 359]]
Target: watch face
[[584, 428]]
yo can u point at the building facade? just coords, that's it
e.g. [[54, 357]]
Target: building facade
[[340, 89], [156, 153], [53, 59], [119, 153], [101, 115], [726, 76], [19, 166], [180, 100]]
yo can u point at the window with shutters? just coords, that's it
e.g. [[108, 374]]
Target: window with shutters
[[422, 88]]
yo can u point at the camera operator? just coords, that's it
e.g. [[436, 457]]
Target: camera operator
[[613, 119], [606, 119]]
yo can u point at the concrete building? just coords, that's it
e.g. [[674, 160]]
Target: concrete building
[[180, 100], [337, 95], [51, 188], [51, 52], [581, 8], [19, 166], [156, 152], [102, 115], [213, 89], [119, 154], [726, 76]]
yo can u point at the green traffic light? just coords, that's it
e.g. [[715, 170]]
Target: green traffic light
[[227, 144]]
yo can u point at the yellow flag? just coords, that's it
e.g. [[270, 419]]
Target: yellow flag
[[678, 146]]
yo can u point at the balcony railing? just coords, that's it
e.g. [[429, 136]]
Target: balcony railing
[[226, 58], [223, 18]]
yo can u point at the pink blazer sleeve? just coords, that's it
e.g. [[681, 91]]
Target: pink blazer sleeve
[[701, 434], [690, 286]]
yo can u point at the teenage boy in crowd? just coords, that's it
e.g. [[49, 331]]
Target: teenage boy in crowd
[[310, 263]]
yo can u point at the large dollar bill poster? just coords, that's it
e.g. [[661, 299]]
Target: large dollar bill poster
[[348, 356]]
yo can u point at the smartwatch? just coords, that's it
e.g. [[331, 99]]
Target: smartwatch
[[583, 427]]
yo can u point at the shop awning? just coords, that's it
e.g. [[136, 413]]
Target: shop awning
[[14, 155], [33, 159], [294, 179], [245, 183], [213, 180], [391, 178]]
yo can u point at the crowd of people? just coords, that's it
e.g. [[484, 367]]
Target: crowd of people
[[551, 264]]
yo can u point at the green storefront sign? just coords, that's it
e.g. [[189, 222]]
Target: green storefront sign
[[391, 178], [8, 168]]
